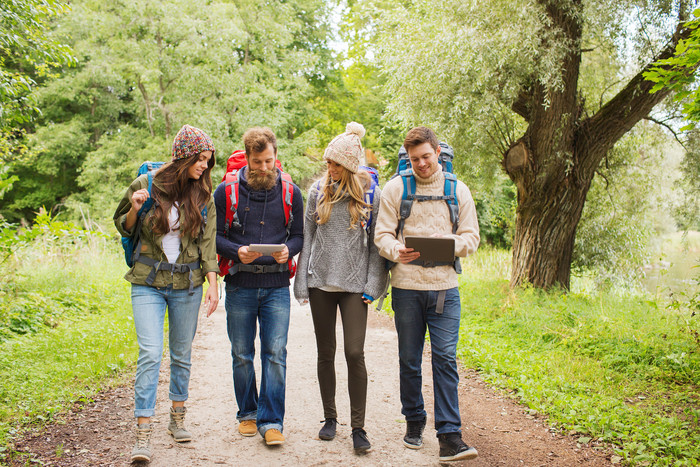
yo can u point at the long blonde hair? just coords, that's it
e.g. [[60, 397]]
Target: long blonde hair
[[350, 184]]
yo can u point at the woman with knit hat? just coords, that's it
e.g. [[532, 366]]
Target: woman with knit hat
[[176, 251], [340, 267]]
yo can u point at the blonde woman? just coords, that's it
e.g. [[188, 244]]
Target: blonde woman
[[340, 267]]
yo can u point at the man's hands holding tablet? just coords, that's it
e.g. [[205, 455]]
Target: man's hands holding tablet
[[249, 253]]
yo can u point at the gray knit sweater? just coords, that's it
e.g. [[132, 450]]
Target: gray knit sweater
[[339, 257]]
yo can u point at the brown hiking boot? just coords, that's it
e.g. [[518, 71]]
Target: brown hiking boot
[[248, 428], [274, 437]]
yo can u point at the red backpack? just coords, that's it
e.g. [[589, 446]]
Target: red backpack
[[231, 178]]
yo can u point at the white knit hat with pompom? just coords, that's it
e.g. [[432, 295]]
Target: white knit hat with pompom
[[346, 149]]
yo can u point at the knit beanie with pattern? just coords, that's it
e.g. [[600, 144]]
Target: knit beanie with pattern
[[346, 149], [190, 141]]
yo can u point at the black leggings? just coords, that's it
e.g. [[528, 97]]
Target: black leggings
[[353, 313]]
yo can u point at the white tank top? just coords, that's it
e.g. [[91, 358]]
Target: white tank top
[[171, 240]]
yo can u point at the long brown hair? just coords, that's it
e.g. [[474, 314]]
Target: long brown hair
[[172, 183], [350, 184]]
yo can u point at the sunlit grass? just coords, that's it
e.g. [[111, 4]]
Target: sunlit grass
[[615, 367], [67, 333]]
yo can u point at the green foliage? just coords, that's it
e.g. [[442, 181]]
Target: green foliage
[[27, 52], [495, 211], [687, 208], [678, 72], [459, 66], [65, 321], [222, 66], [45, 373], [619, 224], [686, 304], [57, 239], [354, 93], [616, 369]]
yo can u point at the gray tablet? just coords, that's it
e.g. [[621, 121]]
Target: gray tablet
[[433, 248], [266, 248]]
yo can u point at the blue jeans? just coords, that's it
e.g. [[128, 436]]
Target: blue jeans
[[245, 307], [414, 310], [149, 305]]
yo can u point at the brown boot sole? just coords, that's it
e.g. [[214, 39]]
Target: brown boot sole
[[181, 440]]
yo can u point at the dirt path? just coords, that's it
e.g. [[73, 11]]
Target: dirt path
[[99, 433]]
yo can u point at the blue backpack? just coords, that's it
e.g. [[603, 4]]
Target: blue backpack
[[404, 171], [129, 243], [369, 194]]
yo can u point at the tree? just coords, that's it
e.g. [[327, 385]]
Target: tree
[[146, 69], [27, 50], [506, 78]]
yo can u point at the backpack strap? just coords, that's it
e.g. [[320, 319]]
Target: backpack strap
[[259, 268], [231, 182], [172, 267], [287, 197], [453, 206], [450, 197], [409, 194], [141, 215]]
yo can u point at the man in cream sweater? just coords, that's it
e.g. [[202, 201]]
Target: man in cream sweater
[[427, 297]]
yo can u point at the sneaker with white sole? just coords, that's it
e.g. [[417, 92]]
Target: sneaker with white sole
[[452, 448], [414, 434]]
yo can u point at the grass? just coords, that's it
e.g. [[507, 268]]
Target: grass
[[66, 331], [615, 368]]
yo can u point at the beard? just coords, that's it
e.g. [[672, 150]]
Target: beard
[[262, 179]]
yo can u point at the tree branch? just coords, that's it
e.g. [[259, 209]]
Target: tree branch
[[597, 134], [147, 104], [521, 106], [668, 127]]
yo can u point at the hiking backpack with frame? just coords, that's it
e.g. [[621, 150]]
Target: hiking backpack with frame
[[236, 162]]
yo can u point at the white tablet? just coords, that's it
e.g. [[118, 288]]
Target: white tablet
[[266, 248]]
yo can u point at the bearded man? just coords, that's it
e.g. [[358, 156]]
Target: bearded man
[[258, 289]]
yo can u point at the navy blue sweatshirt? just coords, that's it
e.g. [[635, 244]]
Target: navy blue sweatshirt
[[262, 223]]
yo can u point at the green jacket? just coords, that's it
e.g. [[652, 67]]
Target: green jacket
[[202, 247]]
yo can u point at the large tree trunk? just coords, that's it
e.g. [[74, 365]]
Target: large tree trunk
[[545, 231], [553, 163]]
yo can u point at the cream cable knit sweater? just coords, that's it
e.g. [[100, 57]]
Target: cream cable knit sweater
[[426, 218]]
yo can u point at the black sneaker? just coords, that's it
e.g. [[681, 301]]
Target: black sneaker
[[452, 448], [359, 440], [414, 434], [327, 433]]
